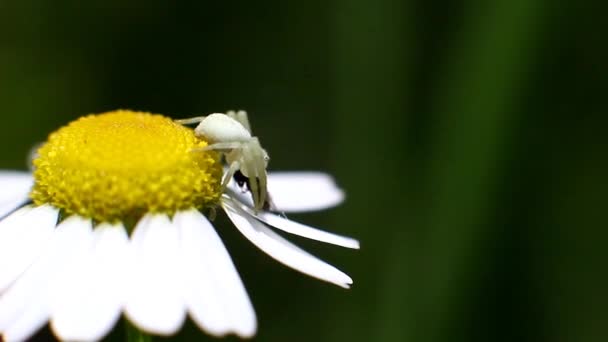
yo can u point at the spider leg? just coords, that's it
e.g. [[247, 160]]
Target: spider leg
[[234, 166], [220, 146], [260, 166], [241, 117], [251, 172], [190, 121]]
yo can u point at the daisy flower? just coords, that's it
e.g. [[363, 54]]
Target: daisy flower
[[112, 221]]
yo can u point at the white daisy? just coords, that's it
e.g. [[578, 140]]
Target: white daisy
[[114, 225]]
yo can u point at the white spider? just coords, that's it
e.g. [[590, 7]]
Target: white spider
[[230, 134]]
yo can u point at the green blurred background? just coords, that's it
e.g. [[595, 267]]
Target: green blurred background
[[470, 137]]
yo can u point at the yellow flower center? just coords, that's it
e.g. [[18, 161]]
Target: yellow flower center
[[122, 164]]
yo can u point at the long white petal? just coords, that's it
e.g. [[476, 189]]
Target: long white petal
[[14, 189], [281, 249], [214, 293], [88, 300], [22, 235], [154, 301], [25, 306], [7, 225], [301, 229], [298, 191]]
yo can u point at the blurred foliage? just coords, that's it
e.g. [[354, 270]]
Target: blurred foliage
[[470, 137]]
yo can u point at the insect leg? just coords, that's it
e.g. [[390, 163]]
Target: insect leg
[[240, 179]]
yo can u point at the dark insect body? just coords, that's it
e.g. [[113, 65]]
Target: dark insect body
[[242, 180]]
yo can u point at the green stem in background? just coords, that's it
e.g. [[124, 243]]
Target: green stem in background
[[475, 109], [369, 52], [134, 334]]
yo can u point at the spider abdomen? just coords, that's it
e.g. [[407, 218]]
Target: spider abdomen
[[222, 128]]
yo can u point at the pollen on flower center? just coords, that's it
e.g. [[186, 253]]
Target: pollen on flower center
[[119, 165]]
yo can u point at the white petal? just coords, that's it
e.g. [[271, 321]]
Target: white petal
[[14, 190], [298, 191], [22, 235], [154, 301], [214, 293], [25, 308], [301, 229], [89, 298], [283, 250], [7, 225]]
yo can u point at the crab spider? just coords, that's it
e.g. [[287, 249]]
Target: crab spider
[[230, 134]]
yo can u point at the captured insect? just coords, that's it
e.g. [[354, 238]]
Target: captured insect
[[247, 161], [243, 183]]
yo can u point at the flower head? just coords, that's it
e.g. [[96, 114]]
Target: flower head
[[124, 163], [115, 225]]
